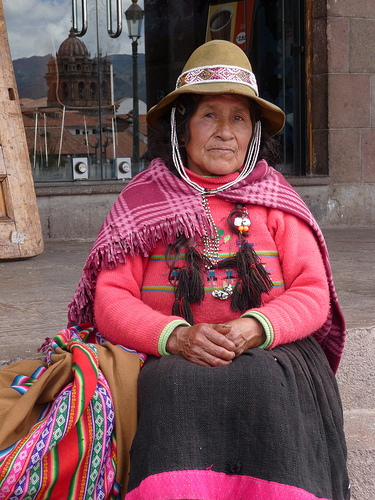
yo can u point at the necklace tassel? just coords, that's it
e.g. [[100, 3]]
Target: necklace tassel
[[253, 281], [182, 308], [189, 286]]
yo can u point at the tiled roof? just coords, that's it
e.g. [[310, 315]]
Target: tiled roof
[[74, 145], [72, 119]]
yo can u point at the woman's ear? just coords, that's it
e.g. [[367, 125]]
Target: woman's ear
[[181, 139]]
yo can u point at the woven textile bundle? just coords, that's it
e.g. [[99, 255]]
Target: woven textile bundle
[[57, 421]]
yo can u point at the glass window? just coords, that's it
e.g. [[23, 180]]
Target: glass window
[[277, 52], [271, 32], [58, 75], [72, 87]]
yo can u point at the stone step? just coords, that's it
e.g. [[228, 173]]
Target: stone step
[[356, 373], [360, 440], [356, 380]]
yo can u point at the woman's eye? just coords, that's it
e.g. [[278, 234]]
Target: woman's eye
[[238, 118]]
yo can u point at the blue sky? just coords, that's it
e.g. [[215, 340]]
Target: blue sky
[[37, 27]]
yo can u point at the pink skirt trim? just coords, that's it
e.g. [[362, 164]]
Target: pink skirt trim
[[210, 485]]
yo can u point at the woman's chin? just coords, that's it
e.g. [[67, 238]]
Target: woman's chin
[[217, 168], [224, 169]]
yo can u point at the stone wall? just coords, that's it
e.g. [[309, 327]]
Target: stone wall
[[343, 108], [351, 90], [75, 211]]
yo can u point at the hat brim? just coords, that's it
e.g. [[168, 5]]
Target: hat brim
[[272, 117]]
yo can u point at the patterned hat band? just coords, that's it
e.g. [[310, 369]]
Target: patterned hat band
[[218, 74]]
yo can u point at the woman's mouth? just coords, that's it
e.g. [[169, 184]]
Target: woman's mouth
[[222, 150]]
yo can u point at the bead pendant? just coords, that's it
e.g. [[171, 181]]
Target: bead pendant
[[223, 294], [242, 223]]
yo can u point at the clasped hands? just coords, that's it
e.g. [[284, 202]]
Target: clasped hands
[[207, 344]]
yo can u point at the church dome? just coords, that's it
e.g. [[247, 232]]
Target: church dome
[[72, 47]]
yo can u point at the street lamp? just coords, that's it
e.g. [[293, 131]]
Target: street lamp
[[134, 17]]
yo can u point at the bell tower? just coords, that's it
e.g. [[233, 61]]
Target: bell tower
[[72, 77]]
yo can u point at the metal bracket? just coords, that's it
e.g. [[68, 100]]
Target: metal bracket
[[117, 33], [84, 18]]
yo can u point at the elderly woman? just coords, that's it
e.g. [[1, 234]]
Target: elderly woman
[[211, 265]]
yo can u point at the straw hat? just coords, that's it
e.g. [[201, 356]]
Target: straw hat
[[219, 67]]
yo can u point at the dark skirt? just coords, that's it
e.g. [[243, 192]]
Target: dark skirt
[[269, 426]]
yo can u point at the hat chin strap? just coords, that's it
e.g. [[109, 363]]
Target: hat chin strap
[[250, 162]]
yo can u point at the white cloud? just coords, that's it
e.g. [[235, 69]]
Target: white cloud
[[38, 27], [34, 26]]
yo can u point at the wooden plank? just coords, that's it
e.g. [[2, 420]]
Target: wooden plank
[[9, 250], [3, 171], [3, 210], [21, 236]]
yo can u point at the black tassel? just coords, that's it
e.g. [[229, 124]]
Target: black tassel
[[253, 280], [182, 286], [182, 308], [228, 263], [194, 264], [196, 288], [189, 289], [188, 280], [193, 258]]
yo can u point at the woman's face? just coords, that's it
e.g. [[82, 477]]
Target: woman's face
[[220, 132]]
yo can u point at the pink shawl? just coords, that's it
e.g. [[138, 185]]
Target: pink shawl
[[157, 205]]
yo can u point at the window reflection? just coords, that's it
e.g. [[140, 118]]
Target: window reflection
[[72, 100], [61, 92]]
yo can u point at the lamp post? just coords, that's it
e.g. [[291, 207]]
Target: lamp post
[[134, 17]]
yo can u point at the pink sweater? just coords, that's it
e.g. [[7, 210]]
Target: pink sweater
[[133, 302]]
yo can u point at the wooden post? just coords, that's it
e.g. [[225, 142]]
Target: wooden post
[[309, 57], [20, 228]]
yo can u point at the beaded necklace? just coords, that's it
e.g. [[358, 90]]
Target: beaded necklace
[[211, 245]]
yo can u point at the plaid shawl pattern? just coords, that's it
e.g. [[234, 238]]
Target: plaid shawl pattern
[[157, 205]]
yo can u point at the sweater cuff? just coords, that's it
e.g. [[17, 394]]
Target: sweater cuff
[[267, 327], [165, 334]]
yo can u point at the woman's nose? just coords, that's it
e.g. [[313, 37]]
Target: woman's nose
[[224, 129]]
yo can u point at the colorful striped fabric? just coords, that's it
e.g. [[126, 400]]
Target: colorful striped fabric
[[70, 452]]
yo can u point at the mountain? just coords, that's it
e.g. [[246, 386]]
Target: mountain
[[30, 72], [123, 76]]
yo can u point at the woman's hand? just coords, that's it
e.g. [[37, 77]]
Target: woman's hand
[[245, 333], [203, 344]]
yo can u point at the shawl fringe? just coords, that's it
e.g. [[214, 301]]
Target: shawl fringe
[[108, 255]]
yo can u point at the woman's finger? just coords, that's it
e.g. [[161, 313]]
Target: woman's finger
[[202, 344], [208, 341], [246, 333]]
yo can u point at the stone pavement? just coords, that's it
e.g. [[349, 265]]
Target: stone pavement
[[34, 295]]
